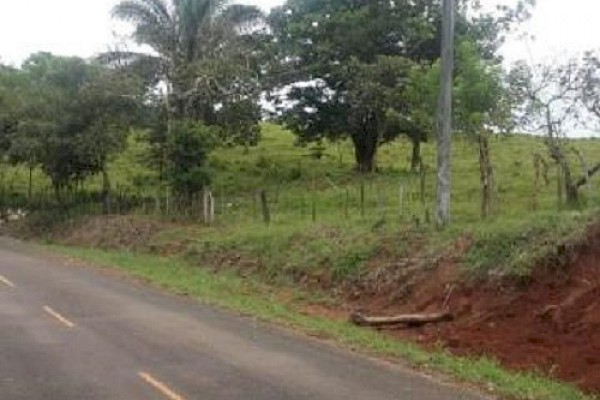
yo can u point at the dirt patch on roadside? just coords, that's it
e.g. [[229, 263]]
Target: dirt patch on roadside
[[411, 284], [549, 323], [112, 232]]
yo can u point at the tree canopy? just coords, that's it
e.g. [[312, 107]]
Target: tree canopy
[[328, 52], [202, 51], [69, 117]]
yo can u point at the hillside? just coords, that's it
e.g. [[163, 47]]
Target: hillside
[[293, 176]]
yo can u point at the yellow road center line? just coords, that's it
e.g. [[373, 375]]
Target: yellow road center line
[[161, 387], [6, 282], [59, 317]]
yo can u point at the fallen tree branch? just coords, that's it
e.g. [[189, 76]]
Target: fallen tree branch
[[407, 319]]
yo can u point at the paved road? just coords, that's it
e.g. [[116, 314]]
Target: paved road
[[72, 333]]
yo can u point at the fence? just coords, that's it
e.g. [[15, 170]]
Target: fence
[[404, 198]]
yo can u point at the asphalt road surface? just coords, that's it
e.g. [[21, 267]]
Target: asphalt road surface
[[75, 333]]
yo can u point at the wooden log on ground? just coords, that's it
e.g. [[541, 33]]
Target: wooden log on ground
[[407, 319]]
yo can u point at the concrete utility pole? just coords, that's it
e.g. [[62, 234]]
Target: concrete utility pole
[[445, 115]]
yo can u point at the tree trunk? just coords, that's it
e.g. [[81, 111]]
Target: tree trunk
[[176, 102], [486, 175], [558, 155], [365, 150], [161, 165], [445, 115], [57, 192], [30, 189], [106, 196], [570, 186], [416, 161]]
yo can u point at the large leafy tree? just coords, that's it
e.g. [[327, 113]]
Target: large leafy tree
[[11, 101], [334, 49], [371, 109], [319, 40], [73, 115], [11, 97]]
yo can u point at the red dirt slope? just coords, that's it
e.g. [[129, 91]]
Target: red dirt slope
[[550, 324]]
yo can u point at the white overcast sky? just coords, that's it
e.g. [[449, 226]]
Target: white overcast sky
[[84, 28]]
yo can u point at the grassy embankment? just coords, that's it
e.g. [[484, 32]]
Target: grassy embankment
[[320, 226]]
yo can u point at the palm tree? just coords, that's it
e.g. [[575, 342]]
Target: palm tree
[[181, 33]]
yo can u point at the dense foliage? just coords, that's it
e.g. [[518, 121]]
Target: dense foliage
[[338, 61], [69, 116]]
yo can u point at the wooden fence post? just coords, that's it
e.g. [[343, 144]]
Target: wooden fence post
[[423, 184], [222, 201], [347, 205], [255, 205], [209, 206], [401, 201], [167, 203], [559, 187], [362, 198], [381, 203], [314, 208], [265, 207]]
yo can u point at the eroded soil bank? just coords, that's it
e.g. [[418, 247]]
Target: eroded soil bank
[[548, 322]]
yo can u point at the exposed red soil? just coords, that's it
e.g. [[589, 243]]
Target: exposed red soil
[[552, 325], [549, 323]]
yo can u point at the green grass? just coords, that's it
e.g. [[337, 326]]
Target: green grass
[[289, 252], [248, 296], [514, 247], [320, 227]]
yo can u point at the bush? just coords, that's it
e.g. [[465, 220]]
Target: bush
[[188, 148]]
